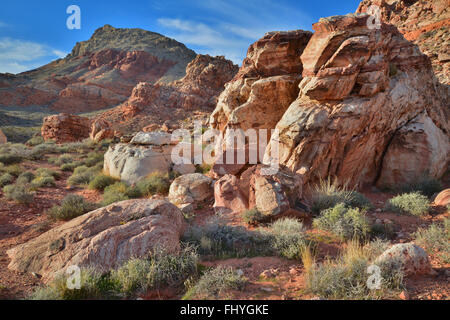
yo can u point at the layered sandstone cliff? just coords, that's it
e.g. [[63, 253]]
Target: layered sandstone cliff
[[154, 104], [366, 109], [425, 22]]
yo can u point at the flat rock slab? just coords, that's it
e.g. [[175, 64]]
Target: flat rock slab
[[104, 238]]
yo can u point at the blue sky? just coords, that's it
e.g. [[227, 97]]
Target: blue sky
[[33, 33]]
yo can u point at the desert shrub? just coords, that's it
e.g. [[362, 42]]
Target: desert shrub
[[119, 191], [25, 177], [410, 203], [71, 207], [288, 238], [252, 216], [347, 276], [215, 283], [93, 284], [327, 194], [43, 149], [436, 239], [161, 269], [216, 239], [425, 185], [63, 159], [14, 169], [10, 158], [343, 221], [93, 158], [43, 181], [46, 172], [19, 193], [101, 181], [6, 179], [202, 168], [156, 182], [70, 166], [83, 175], [382, 230], [35, 140]]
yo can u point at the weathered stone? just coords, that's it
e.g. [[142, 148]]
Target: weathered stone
[[443, 198], [101, 130], [65, 128], [191, 188], [412, 259], [104, 238], [228, 196]]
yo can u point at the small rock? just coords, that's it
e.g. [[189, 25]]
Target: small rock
[[240, 272], [404, 295], [266, 289]]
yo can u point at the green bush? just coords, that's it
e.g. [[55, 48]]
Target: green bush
[[71, 207], [252, 216], [13, 169], [347, 276], [25, 177], [6, 179], [43, 181], [343, 221], [93, 158], [219, 240], [409, 203], [83, 175], [19, 193], [35, 140], [155, 183], [61, 160], [119, 191], [288, 238], [162, 269], [425, 185], [93, 284], [215, 283], [101, 181], [327, 194], [436, 239], [7, 159], [45, 172]]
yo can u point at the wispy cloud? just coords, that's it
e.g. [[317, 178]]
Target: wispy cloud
[[19, 55], [2, 24], [245, 23]]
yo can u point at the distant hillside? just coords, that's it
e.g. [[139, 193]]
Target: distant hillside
[[99, 73]]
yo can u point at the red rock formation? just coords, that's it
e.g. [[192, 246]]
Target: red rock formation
[[65, 128], [363, 90], [100, 130], [426, 23], [99, 73], [3, 138], [155, 103]]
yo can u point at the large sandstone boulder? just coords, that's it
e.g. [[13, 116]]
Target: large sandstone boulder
[[3, 138], [65, 128], [265, 85], [191, 188], [412, 259], [104, 238], [272, 194], [361, 92], [147, 152], [101, 130], [443, 198]]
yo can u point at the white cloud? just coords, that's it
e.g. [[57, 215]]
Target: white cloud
[[2, 24], [18, 55], [232, 25]]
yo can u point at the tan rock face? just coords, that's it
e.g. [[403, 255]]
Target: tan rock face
[[426, 23], [104, 238], [190, 188], [271, 194], [362, 90], [101, 130], [65, 128], [3, 138], [154, 104], [443, 198], [265, 85]]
